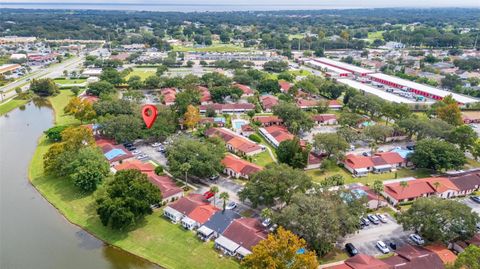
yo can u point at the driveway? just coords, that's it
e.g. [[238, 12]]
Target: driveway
[[473, 205], [366, 238]]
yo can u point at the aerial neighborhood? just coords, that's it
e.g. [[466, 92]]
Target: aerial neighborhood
[[352, 146]]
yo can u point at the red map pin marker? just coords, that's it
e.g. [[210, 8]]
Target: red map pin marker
[[149, 114]]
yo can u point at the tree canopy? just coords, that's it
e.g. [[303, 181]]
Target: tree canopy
[[437, 155]]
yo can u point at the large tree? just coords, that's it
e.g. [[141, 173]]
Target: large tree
[[165, 125], [378, 133], [292, 153], [203, 156], [191, 117], [100, 87], [293, 117], [275, 184], [81, 109], [122, 128], [114, 107], [464, 136], [437, 155], [321, 217], [111, 75], [44, 87], [331, 144], [437, 219], [184, 99], [449, 111], [88, 169], [127, 199], [281, 251]]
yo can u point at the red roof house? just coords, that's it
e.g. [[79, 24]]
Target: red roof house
[[268, 101], [237, 167], [247, 91], [358, 165], [268, 120], [395, 193], [234, 142], [198, 216], [169, 189], [240, 236], [284, 85], [184, 206], [135, 164], [325, 119]]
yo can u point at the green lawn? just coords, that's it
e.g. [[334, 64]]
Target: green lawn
[[375, 35], [143, 73], [262, 159], [335, 255], [11, 105], [155, 239], [212, 48], [318, 175], [58, 103], [266, 143], [63, 81]]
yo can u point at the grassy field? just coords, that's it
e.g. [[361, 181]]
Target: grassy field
[[262, 159], [11, 105], [143, 73], [155, 239], [318, 175], [334, 256], [70, 81], [58, 103], [375, 35], [212, 48]]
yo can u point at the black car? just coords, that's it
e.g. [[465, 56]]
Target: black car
[[132, 148], [410, 147], [351, 250], [393, 245], [476, 199], [128, 145]]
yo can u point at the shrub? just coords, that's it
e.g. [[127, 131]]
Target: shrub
[[159, 170], [255, 138]]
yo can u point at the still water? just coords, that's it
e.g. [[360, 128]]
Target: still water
[[32, 233]]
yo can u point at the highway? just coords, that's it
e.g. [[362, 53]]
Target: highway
[[56, 70]]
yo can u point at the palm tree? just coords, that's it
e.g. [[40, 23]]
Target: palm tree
[[214, 190], [436, 184], [185, 167], [404, 184], [224, 196], [378, 188]]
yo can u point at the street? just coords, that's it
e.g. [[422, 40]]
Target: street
[[473, 205]]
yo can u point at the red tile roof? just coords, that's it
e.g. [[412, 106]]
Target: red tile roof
[[166, 185], [267, 119], [356, 162], [415, 189], [391, 157], [444, 184], [246, 90], [306, 103], [239, 165], [202, 213], [334, 103], [238, 142], [188, 203], [363, 261], [413, 257], [169, 95], [246, 232], [268, 101], [205, 94], [280, 133], [135, 164], [284, 85], [324, 117], [446, 255], [223, 107]]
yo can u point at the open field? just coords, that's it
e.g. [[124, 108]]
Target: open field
[[64, 81], [262, 159], [155, 239], [143, 73], [318, 175], [58, 103], [10, 105], [375, 35], [212, 48]]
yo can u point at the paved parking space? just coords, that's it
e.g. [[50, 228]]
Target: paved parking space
[[473, 205], [366, 238], [153, 154]]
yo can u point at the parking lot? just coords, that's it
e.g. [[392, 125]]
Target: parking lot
[[366, 238], [473, 205], [319, 129]]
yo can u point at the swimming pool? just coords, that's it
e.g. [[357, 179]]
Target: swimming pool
[[238, 123]]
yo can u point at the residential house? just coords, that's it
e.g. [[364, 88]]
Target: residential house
[[268, 102], [446, 255], [358, 165], [284, 85], [266, 121], [237, 167], [247, 91], [198, 216], [307, 103], [466, 183], [184, 206], [460, 246], [374, 201], [217, 224], [276, 134], [409, 256], [205, 97], [169, 96], [234, 142], [167, 186], [247, 130], [396, 193], [314, 161], [393, 159], [115, 154], [443, 187], [334, 105], [327, 119], [240, 236], [135, 164], [361, 261], [217, 121], [228, 108]]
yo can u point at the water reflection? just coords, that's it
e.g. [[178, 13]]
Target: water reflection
[[121, 260]]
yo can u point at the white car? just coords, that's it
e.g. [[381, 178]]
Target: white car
[[381, 217], [382, 247], [136, 152], [417, 239], [156, 144], [231, 205], [267, 222]]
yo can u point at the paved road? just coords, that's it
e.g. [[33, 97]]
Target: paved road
[[53, 71], [473, 205]]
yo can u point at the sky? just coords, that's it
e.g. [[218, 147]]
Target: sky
[[326, 3]]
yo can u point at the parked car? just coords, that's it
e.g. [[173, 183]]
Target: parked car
[[273, 228], [382, 247], [132, 148], [208, 195], [365, 221], [156, 144], [128, 145], [266, 222], [417, 239], [214, 177], [351, 249], [381, 217], [365, 154], [373, 219], [136, 152], [231, 205], [393, 245], [476, 199]]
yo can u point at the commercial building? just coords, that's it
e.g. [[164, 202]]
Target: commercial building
[[362, 87], [330, 71], [419, 89], [358, 71]]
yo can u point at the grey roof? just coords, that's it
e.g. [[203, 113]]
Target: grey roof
[[220, 220]]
